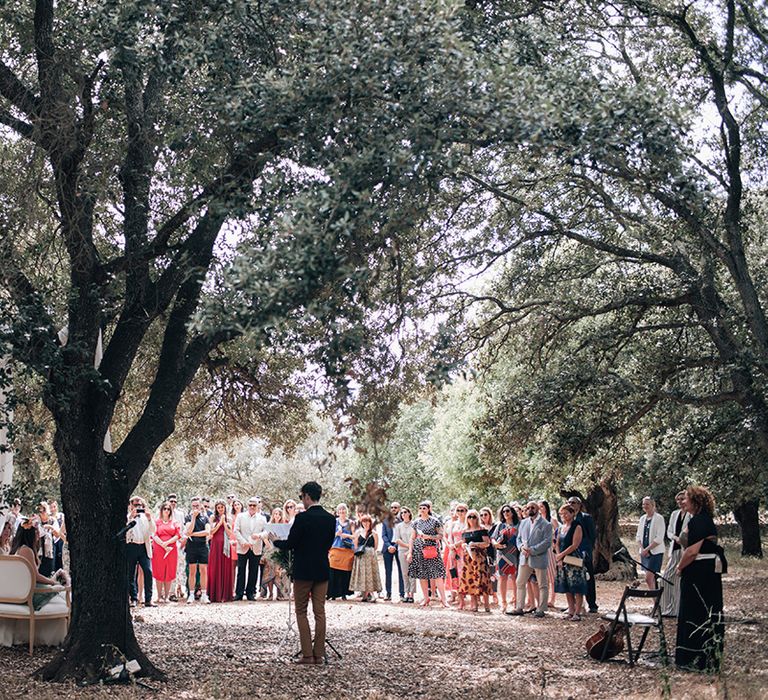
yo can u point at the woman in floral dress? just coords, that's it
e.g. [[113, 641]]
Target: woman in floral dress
[[424, 562], [476, 574]]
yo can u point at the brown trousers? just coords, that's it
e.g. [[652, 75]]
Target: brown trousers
[[301, 593]]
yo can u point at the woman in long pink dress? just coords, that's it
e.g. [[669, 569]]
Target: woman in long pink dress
[[164, 552], [219, 558]]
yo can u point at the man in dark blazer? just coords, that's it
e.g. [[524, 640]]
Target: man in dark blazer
[[310, 538]]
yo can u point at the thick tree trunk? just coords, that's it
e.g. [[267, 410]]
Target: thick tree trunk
[[603, 505], [748, 519], [95, 496]]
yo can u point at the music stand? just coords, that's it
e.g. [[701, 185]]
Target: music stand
[[623, 553], [290, 636]]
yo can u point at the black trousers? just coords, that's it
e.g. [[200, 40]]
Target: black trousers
[[137, 554], [249, 561], [46, 567], [591, 593], [388, 559], [58, 555]]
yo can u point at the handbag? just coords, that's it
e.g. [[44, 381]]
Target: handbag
[[573, 561], [429, 551], [341, 558]]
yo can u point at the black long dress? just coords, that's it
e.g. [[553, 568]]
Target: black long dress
[[700, 628]]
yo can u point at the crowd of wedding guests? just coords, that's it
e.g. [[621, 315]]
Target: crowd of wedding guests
[[516, 558], [50, 528], [211, 552]]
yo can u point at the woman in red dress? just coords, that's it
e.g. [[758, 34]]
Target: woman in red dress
[[164, 552], [219, 558]]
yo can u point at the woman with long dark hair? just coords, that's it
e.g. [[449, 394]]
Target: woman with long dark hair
[[164, 552], [26, 544], [219, 558], [504, 539], [237, 508]]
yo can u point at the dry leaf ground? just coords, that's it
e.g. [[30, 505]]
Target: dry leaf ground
[[398, 651]]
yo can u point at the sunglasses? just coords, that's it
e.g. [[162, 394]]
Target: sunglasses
[[461, 510], [290, 507], [471, 517]]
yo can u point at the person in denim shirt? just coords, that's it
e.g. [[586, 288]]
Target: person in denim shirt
[[389, 550]]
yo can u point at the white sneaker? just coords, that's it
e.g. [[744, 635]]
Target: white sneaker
[[204, 597], [190, 599]]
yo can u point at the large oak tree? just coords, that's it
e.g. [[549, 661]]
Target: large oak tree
[[624, 233], [184, 175]]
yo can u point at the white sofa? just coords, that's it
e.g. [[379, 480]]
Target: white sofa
[[19, 621]]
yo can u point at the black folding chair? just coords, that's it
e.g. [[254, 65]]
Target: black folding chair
[[634, 619]]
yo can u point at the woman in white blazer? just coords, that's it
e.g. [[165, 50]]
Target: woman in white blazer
[[650, 540]]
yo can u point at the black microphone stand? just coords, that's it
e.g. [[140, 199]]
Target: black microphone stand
[[623, 553], [120, 536]]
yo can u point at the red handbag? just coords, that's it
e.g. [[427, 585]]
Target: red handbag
[[429, 551]]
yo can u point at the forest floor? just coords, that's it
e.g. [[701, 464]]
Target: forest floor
[[391, 650]]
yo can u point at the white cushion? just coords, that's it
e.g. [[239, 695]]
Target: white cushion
[[12, 609], [634, 619], [55, 606]]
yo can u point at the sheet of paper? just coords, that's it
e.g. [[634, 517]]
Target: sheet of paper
[[280, 530]]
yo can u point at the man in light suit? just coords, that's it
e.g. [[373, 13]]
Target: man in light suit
[[249, 533], [534, 540]]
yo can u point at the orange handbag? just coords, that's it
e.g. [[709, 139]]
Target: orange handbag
[[341, 558]]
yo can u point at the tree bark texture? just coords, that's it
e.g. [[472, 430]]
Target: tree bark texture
[[603, 505], [94, 495], [748, 519]]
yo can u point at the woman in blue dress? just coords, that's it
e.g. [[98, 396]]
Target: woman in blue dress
[[341, 555], [570, 578]]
